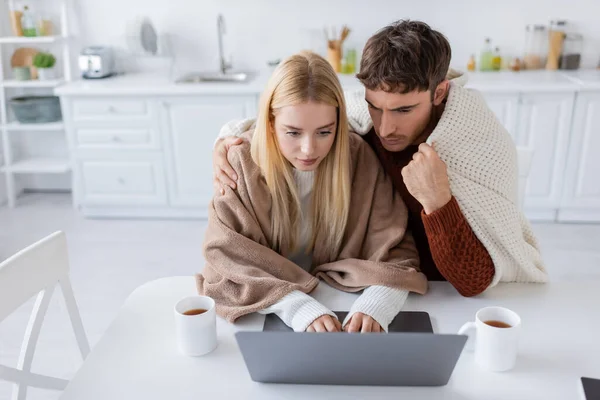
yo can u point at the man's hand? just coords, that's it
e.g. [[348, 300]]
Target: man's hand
[[426, 178], [223, 174], [325, 323], [362, 323]]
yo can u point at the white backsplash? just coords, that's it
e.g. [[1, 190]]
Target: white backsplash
[[260, 30]]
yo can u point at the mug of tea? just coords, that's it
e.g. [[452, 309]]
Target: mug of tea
[[496, 335], [196, 325]]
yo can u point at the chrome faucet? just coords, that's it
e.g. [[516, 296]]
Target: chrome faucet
[[224, 65]]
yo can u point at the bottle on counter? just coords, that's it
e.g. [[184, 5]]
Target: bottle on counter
[[471, 64], [536, 46], [485, 58], [515, 64], [555, 43], [497, 60], [349, 62], [28, 23]]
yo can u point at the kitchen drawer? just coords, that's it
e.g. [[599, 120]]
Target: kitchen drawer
[[138, 181], [117, 138], [111, 109]]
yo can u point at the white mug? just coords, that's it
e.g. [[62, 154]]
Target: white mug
[[196, 334], [495, 347]]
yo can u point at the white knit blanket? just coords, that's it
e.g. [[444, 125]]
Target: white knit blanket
[[482, 168]]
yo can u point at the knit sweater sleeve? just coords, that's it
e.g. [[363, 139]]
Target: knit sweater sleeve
[[298, 310], [458, 254], [381, 303], [235, 127]]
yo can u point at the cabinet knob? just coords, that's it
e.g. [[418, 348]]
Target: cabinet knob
[[111, 109], [121, 180], [116, 139]]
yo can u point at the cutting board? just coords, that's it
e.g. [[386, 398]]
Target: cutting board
[[23, 57]]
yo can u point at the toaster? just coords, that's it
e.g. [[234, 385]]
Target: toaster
[[96, 62]]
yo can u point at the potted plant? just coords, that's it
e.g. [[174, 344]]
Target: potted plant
[[44, 62]]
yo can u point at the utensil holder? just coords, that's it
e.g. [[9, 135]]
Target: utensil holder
[[334, 56]]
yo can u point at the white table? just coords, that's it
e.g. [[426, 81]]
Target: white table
[[137, 358]]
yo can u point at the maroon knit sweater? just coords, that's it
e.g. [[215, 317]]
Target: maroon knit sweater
[[448, 247]]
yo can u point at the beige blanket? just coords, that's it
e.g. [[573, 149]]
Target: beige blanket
[[244, 275]]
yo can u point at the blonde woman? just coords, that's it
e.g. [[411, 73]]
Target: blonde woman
[[303, 210]]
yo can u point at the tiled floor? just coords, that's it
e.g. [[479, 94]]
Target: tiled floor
[[110, 258]]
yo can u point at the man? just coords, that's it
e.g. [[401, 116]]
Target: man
[[465, 219]]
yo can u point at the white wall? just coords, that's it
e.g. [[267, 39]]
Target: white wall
[[259, 30]]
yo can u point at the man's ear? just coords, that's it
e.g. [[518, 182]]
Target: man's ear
[[440, 92]]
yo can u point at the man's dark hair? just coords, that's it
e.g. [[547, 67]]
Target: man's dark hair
[[405, 56]]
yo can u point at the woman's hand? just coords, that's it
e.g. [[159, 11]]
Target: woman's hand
[[223, 173], [362, 323], [325, 323]]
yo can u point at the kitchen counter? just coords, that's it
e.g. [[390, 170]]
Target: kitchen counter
[[161, 84], [522, 81], [586, 79], [141, 144]]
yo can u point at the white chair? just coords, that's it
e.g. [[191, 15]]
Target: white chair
[[38, 268], [524, 158]]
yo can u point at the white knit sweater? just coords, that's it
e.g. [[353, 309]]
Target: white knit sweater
[[298, 310], [482, 169]]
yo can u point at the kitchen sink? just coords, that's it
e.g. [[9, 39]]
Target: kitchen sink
[[214, 77]]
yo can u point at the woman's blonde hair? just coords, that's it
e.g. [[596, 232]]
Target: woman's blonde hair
[[298, 79]]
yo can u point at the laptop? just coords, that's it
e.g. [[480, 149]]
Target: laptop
[[409, 355], [590, 388]]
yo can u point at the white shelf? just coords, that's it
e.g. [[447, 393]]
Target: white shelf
[[31, 40], [39, 165], [16, 126], [34, 83], [40, 161]]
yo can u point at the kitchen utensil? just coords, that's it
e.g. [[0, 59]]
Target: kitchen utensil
[[334, 47], [142, 38], [15, 22], [23, 57]]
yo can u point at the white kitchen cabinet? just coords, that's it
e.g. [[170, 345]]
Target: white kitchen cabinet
[[581, 195], [117, 138], [141, 146], [111, 109], [116, 152], [125, 179], [505, 106], [544, 123], [189, 127]]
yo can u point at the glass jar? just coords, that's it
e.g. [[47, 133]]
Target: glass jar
[[571, 54], [536, 46], [556, 39]]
